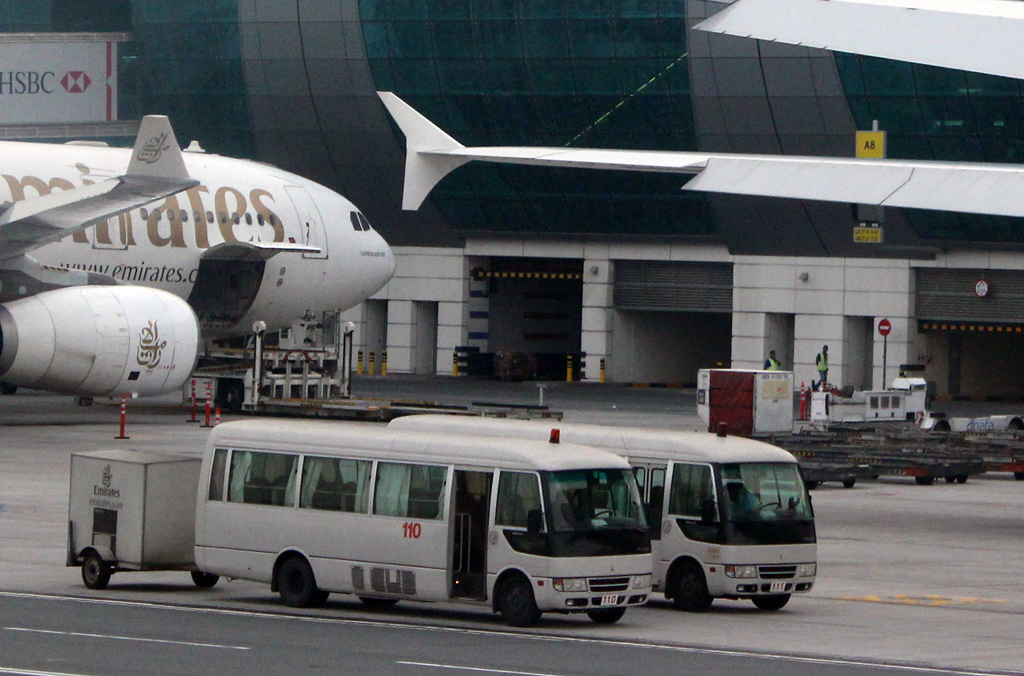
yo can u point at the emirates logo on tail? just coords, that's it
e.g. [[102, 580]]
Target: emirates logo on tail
[[153, 149]]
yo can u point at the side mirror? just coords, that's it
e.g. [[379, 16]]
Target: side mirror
[[707, 511], [534, 521]]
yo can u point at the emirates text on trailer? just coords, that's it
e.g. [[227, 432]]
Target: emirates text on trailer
[[519, 526], [737, 522]]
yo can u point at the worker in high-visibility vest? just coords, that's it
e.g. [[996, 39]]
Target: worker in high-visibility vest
[[821, 361], [771, 363]]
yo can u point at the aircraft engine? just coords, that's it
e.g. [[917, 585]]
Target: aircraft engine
[[98, 341]]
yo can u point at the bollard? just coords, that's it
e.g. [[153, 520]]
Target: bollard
[[384, 363], [193, 418], [602, 369], [803, 400], [124, 407], [359, 363], [568, 368], [216, 420], [209, 396], [369, 368], [455, 362]]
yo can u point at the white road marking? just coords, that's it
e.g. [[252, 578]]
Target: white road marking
[[477, 669], [113, 637], [33, 672], [285, 615]]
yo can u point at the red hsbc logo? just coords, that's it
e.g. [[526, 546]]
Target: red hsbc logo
[[75, 81]]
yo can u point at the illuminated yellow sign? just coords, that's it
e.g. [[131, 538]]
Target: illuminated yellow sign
[[867, 234], [871, 144]]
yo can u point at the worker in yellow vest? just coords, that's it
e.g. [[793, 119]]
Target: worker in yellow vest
[[771, 363], [821, 361]]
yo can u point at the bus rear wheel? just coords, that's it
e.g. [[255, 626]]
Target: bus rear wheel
[[690, 589], [771, 602], [297, 586], [204, 580], [95, 571], [517, 604], [606, 615]]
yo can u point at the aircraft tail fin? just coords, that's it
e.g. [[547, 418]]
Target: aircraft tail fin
[[431, 154], [157, 153]]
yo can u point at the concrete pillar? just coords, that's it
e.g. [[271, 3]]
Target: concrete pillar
[[596, 335]]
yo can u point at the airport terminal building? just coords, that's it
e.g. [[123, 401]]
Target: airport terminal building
[[613, 268]]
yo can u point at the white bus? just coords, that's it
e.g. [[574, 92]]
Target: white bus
[[737, 523], [521, 526]]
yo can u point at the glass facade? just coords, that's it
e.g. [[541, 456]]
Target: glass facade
[[932, 113], [293, 83], [596, 73]]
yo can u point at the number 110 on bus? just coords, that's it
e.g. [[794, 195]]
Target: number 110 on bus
[[411, 529]]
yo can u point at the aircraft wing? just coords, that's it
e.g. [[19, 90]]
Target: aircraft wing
[[155, 170], [949, 186], [981, 36]]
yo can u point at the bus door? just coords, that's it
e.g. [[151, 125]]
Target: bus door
[[469, 537], [651, 479]]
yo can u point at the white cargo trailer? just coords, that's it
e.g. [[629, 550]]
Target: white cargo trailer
[[130, 510]]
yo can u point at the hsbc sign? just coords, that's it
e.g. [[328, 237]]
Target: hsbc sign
[[58, 82]]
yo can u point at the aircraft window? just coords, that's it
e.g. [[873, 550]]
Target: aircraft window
[[209, 217], [170, 215], [198, 215], [156, 214], [144, 213], [223, 217], [259, 218], [248, 218], [184, 216], [366, 223], [236, 218], [354, 217], [273, 219]]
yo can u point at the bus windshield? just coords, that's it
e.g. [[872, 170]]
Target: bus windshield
[[589, 500], [764, 492]]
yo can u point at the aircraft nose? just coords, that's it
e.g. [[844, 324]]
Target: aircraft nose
[[385, 265]]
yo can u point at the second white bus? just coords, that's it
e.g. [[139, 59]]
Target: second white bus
[[521, 526], [730, 517]]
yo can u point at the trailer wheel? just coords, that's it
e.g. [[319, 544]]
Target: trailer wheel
[[942, 426], [1016, 425], [849, 482], [961, 478], [1019, 476], [204, 580], [606, 615], [950, 479], [924, 480], [95, 571], [771, 602], [517, 604], [811, 485], [7, 388], [297, 586], [690, 589]]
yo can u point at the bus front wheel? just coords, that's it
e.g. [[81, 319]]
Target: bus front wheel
[[771, 602], [517, 604], [606, 615], [690, 589], [297, 586]]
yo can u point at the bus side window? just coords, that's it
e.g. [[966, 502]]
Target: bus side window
[[263, 478], [518, 495], [656, 501], [220, 459], [415, 491], [335, 484], [691, 486]]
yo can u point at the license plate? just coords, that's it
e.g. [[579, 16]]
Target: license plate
[[778, 587], [610, 600]]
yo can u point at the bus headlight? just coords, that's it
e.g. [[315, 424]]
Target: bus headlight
[[807, 570], [741, 571], [569, 584], [641, 581]]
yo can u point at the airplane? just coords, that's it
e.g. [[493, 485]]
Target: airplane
[[981, 36], [969, 187], [109, 280]]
